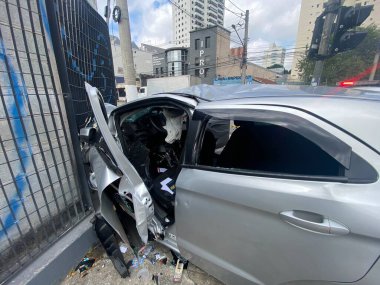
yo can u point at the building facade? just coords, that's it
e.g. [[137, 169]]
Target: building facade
[[209, 52], [274, 55], [190, 15], [172, 62], [310, 10], [142, 58], [207, 60]]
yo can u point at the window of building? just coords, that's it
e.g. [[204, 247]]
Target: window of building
[[207, 42], [197, 72], [156, 70], [197, 61], [162, 70], [197, 43]]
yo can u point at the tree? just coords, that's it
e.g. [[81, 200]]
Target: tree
[[353, 64], [276, 65]]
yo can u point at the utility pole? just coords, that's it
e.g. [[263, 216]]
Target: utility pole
[[326, 33], [108, 12], [375, 64], [245, 44], [126, 52]]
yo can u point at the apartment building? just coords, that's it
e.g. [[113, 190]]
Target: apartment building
[[274, 55], [190, 15]]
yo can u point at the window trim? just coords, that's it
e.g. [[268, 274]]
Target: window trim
[[265, 174], [332, 145]]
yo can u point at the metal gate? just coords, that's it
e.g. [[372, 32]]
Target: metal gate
[[41, 185]]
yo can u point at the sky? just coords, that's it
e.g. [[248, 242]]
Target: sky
[[270, 21]]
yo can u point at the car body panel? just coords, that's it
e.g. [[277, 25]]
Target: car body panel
[[233, 225], [347, 113], [230, 224], [133, 184]]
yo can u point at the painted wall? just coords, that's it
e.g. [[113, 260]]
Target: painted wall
[[39, 196]]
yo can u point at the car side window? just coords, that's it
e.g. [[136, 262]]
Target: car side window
[[263, 147]]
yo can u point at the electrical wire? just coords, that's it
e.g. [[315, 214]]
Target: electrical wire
[[236, 6]]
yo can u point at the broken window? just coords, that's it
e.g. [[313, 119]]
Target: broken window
[[264, 147]]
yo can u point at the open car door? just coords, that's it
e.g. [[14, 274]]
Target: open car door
[[110, 164]]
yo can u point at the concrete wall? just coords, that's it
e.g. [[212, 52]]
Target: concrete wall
[[233, 69], [39, 196]]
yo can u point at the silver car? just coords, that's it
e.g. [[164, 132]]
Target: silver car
[[254, 184]]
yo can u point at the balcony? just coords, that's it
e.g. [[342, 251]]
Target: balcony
[[199, 11], [199, 18], [212, 15], [198, 23], [213, 9], [199, 5], [212, 21], [212, 3], [220, 17]]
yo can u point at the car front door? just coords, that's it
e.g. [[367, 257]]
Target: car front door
[[118, 167], [288, 199]]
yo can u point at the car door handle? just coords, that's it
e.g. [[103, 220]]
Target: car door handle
[[313, 222]]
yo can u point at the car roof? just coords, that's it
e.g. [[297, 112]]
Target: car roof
[[254, 91], [357, 112]]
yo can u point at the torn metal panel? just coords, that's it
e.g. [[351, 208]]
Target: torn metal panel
[[131, 181]]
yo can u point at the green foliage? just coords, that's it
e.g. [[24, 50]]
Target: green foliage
[[344, 65], [275, 66]]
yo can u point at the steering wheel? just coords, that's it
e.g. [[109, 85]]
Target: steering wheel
[[156, 122]]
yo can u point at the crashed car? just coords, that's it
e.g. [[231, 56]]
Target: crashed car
[[254, 184]]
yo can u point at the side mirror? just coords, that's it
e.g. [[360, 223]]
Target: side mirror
[[87, 134]]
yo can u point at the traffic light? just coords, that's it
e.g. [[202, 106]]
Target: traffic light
[[343, 38]]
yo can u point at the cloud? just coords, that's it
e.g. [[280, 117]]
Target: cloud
[[270, 21], [150, 20]]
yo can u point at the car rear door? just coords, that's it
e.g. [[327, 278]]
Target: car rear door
[[308, 215]]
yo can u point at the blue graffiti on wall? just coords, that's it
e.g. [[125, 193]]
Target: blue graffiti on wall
[[75, 66], [21, 142]]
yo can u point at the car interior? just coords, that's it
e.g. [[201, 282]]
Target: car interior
[[153, 139], [264, 147]]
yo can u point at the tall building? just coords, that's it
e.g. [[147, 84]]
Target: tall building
[[190, 15], [310, 10], [274, 55]]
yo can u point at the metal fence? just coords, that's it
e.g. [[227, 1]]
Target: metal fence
[[87, 50], [41, 185]]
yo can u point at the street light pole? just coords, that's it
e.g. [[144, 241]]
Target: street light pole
[[245, 45]]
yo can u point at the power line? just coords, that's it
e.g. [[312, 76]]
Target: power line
[[236, 6]]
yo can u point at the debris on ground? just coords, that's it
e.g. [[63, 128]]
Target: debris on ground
[[85, 264], [123, 247], [103, 272], [178, 272]]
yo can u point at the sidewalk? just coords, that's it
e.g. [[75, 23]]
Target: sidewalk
[[103, 272]]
